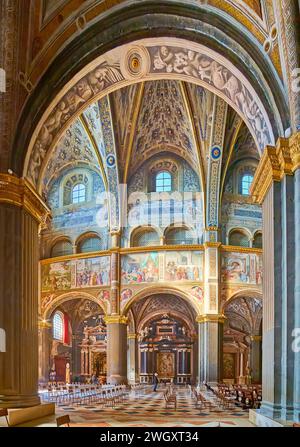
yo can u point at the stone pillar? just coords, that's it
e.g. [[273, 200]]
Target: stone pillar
[[274, 188], [45, 339], [132, 359], [210, 330], [116, 349], [76, 355], [21, 211], [115, 273], [255, 358], [296, 332]]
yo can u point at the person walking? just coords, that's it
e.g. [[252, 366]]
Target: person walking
[[155, 381]]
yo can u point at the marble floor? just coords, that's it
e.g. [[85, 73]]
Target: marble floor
[[147, 409]]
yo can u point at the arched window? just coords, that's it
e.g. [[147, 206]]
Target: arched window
[[246, 182], [90, 244], [257, 241], [163, 182], [79, 193], [145, 238], [177, 236], [239, 239], [58, 326], [61, 248]]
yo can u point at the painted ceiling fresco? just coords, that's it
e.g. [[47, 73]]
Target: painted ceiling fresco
[[163, 124], [73, 148]]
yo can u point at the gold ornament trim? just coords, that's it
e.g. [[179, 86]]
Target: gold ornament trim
[[275, 163], [256, 338], [18, 192], [216, 318], [131, 336], [116, 319]]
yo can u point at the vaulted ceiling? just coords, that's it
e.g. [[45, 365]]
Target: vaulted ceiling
[[118, 133]]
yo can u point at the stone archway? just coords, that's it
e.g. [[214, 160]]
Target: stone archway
[[148, 59]]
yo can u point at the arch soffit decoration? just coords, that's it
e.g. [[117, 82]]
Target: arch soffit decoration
[[151, 316], [246, 293], [61, 299], [154, 290], [149, 59]]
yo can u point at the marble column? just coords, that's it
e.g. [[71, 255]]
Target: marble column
[[76, 355], [255, 358], [296, 332], [21, 211], [133, 374], [274, 186], [45, 340], [116, 349], [210, 330]]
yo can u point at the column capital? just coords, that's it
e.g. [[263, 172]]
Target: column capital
[[18, 192], [295, 150], [131, 336], [212, 244], [255, 337], [44, 324], [120, 319], [204, 318], [276, 162]]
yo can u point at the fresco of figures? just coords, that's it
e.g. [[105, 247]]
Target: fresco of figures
[[183, 266], [242, 268], [140, 268], [91, 272], [166, 266], [78, 273], [56, 276]]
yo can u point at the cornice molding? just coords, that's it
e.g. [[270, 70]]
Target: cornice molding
[[116, 319], [18, 192], [295, 150], [216, 318], [275, 163]]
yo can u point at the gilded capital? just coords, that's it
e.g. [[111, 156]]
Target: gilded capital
[[295, 150], [131, 336], [204, 318], [116, 319], [18, 192], [274, 164]]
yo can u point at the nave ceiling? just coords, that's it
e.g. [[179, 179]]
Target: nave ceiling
[[131, 125]]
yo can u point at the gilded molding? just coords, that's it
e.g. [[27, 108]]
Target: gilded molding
[[131, 336], [274, 164], [116, 319], [295, 150], [235, 248], [219, 318], [18, 192], [256, 338], [212, 244]]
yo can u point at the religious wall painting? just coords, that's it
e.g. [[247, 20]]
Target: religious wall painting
[[169, 266], [126, 294], [56, 276], [183, 266], [166, 364], [104, 297], [77, 273], [197, 292], [140, 268], [92, 272], [229, 365], [242, 268]]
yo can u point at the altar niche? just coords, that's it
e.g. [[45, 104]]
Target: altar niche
[[165, 347]]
